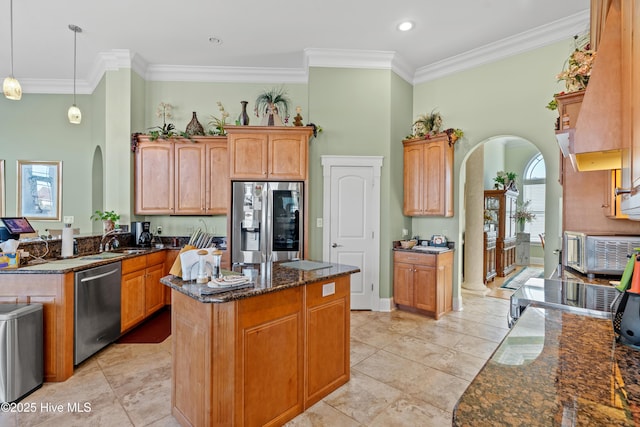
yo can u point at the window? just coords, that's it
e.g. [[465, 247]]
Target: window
[[534, 189]]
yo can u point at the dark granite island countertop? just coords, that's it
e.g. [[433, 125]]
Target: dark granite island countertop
[[271, 277], [555, 368]]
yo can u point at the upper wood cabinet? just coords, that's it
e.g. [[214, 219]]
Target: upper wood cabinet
[[154, 177], [268, 153], [428, 176], [181, 176]]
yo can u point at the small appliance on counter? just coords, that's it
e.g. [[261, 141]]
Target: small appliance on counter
[[141, 234]]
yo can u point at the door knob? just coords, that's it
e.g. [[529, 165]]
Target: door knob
[[618, 191], [335, 245]]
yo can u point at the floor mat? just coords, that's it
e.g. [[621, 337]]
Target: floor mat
[[154, 330], [522, 276]]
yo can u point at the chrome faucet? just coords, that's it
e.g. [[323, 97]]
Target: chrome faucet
[[106, 247]]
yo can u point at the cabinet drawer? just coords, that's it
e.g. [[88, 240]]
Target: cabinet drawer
[[414, 258], [156, 258], [321, 292], [134, 264]]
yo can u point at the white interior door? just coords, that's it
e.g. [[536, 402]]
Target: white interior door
[[352, 225]]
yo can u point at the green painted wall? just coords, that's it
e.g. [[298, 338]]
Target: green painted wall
[[364, 113], [37, 128]]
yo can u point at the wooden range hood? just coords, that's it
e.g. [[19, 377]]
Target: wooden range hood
[[597, 142]]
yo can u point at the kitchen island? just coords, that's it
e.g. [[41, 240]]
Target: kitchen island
[[555, 367], [259, 355]]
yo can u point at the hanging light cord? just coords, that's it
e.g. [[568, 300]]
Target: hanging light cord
[[75, 50], [11, 29]]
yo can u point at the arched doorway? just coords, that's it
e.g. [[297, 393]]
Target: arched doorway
[[478, 170]]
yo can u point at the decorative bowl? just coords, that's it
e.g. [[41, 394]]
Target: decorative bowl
[[408, 244]]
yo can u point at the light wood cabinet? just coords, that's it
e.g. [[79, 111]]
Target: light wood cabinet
[[190, 178], [428, 177], [423, 282], [142, 294], [55, 293], [270, 346], [489, 256], [182, 177], [501, 206], [630, 73], [268, 153], [154, 177], [327, 343]]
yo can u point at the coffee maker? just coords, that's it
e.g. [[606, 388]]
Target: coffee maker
[[141, 234]]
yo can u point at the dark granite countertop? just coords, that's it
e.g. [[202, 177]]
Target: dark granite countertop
[[425, 250], [555, 368], [78, 263], [270, 277]]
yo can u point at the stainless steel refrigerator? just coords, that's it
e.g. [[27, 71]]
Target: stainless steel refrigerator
[[266, 222]]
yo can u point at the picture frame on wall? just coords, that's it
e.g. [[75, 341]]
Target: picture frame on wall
[[40, 190]]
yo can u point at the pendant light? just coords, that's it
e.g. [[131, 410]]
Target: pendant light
[[74, 113], [11, 86]]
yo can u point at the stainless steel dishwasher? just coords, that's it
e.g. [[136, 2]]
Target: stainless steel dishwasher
[[97, 309]]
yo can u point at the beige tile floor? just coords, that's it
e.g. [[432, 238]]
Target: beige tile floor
[[407, 370]]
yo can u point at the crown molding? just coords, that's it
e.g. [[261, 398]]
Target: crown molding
[[225, 74], [538, 37], [350, 58]]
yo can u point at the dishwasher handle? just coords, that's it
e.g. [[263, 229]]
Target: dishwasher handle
[[98, 276]]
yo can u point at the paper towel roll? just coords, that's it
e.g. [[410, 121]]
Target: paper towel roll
[[67, 242]]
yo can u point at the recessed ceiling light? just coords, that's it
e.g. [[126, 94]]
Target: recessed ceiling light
[[405, 26], [215, 41]]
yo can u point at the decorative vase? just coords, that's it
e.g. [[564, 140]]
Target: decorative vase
[[271, 117], [521, 226], [194, 127], [243, 119]]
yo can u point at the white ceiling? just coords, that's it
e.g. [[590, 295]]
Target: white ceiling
[[270, 36]]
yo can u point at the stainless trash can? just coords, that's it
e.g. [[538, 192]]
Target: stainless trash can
[[21, 350]]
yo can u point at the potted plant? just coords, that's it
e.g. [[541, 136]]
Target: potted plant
[[505, 181], [108, 218], [523, 214], [168, 129], [274, 104]]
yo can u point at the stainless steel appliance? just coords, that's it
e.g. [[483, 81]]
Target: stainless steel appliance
[[141, 234], [597, 254], [21, 350], [267, 221], [97, 309]]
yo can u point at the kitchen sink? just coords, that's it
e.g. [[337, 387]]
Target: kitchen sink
[[129, 251], [102, 255]]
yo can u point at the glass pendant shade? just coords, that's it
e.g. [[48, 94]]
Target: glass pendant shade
[[12, 89], [75, 115]]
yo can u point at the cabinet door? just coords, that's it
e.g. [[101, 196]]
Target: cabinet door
[[269, 348], [153, 289], [218, 182], [403, 283], [425, 288], [327, 343], [132, 299], [190, 178], [413, 157], [287, 157], [433, 201], [248, 156], [154, 178]]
